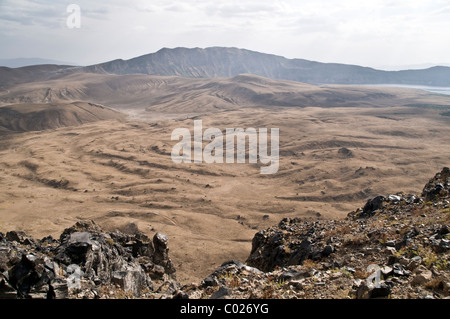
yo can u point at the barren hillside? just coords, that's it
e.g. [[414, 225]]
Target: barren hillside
[[37, 117]]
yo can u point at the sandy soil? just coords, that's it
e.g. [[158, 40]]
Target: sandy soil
[[120, 174]]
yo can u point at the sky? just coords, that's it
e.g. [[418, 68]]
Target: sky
[[385, 34]]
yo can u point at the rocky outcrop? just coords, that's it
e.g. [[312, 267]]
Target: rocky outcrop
[[395, 246], [83, 262], [291, 242], [437, 187]]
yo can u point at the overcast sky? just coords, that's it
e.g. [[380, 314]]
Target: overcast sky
[[375, 33]]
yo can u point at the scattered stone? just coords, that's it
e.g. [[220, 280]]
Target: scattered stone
[[422, 275], [221, 293], [390, 243], [372, 205], [414, 262], [392, 251], [399, 270], [291, 275], [394, 198], [20, 237], [385, 250], [210, 281]]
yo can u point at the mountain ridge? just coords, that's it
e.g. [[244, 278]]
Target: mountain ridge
[[231, 61], [212, 62], [21, 62]]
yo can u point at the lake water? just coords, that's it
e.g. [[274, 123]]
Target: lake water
[[433, 89]]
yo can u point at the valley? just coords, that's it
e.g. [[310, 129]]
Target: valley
[[95, 143], [120, 174]]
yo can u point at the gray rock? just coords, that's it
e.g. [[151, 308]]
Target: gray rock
[[131, 278], [221, 293], [413, 199], [390, 243], [414, 262], [169, 287], [422, 275], [350, 269], [394, 198], [290, 275], [399, 270], [210, 281], [440, 245], [154, 271], [161, 254], [20, 237], [391, 251], [83, 257]]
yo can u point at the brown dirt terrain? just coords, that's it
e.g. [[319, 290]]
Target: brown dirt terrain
[[119, 173]]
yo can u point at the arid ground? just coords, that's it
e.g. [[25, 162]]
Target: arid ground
[[118, 171]]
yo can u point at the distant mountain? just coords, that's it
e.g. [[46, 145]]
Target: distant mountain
[[21, 62], [229, 62], [224, 62], [421, 66]]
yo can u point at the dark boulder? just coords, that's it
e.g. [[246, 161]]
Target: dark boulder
[[344, 152], [23, 276], [438, 186], [372, 205]]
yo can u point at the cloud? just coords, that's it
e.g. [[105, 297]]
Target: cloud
[[232, 9], [178, 7], [31, 13], [323, 30], [139, 28]]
